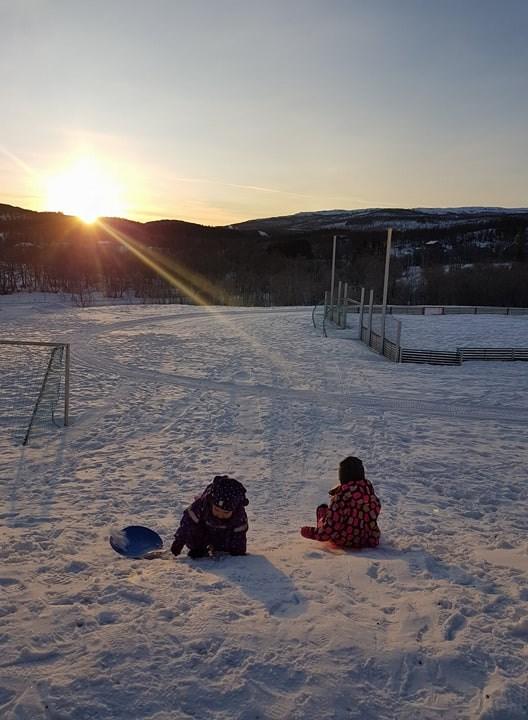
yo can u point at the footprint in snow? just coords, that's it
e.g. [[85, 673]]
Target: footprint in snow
[[75, 566], [373, 571], [107, 617], [453, 625], [7, 581], [290, 606]]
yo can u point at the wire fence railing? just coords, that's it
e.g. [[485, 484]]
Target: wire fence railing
[[381, 331]]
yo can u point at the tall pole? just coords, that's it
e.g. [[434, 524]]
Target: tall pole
[[67, 385], [333, 279], [387, 262], [385, 289]]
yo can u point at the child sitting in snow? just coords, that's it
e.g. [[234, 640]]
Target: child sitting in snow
[[350, 521], [215, 521]]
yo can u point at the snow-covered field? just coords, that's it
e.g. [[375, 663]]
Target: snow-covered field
[[432, 624], [448, 332]]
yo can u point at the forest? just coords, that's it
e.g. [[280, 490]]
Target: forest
[[472, 262]]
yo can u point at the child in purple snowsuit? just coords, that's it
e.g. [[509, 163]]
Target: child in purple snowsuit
[[215, 521]]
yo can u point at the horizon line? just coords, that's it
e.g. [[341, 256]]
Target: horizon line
[[380, 208]]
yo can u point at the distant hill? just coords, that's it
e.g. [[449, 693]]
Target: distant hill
[[403, 219], [21, 225], [377, 218], [11, 212], [471, 255]]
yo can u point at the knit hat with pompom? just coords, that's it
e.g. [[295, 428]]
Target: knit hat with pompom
[[227, 493]]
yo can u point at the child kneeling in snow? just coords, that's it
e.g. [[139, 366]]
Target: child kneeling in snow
[[351, 519], [215, 521]]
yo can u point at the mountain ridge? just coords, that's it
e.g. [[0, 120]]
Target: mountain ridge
[[372, 218], [312, 220], [454, 256]]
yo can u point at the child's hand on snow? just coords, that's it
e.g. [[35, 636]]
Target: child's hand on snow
[[157, 555], [176, 548]]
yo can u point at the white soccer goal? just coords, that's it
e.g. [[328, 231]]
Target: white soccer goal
[[34, 384]]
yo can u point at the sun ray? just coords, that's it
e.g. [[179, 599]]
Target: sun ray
[[192, 285]]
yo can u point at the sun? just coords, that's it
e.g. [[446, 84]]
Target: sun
[[86, 190]]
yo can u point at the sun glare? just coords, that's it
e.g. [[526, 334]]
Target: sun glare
[[86, 190]]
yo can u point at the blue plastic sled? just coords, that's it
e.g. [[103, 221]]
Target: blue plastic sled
[[135, 541]]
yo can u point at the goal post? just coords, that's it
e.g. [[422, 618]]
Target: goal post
[[34, 382]]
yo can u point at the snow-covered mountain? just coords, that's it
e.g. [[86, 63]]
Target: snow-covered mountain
[[372, 218]]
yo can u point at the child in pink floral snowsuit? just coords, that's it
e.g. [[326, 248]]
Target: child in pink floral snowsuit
[[351, 519]]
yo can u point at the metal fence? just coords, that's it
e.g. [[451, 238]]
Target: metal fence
[[382, 332], [319, 316], [468, 353], [447, 310], [460, 355], [348, 305], [431, 357]]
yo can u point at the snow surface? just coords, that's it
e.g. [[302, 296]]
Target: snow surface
[[432, 624]]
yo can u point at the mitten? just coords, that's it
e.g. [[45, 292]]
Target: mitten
[[308, 532], [176, 547], [198, 552]]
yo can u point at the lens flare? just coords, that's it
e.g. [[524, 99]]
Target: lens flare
[[191, 285]]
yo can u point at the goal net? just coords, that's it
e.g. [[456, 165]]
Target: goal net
[[34, 388]]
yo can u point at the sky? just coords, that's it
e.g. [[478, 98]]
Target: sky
[[219, 111]]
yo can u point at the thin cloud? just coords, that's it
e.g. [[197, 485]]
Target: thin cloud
[[18, 161], [240, 186]]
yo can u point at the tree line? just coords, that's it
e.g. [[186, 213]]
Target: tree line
[[174, 261]]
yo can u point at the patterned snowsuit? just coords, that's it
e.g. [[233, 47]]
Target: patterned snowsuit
[[199, 529], [350, 521]]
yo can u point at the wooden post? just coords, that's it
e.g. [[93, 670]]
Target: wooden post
[[338, 304], [361, 309], [398, 340], [371, 305], [344, 306]]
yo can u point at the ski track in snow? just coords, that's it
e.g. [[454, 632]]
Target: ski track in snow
[[431, 624]]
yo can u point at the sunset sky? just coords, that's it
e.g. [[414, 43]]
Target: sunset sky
[[218, 111]]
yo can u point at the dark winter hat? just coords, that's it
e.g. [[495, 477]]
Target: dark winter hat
[[350, 469], [228, 493]]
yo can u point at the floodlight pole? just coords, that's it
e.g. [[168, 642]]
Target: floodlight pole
[[67, 385], [387, 262], [333, 279], [385, 288]]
